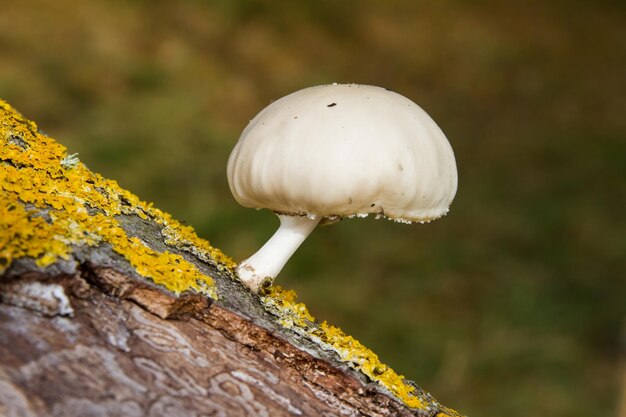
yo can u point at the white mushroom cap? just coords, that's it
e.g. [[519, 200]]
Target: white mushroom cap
[[333, 151]]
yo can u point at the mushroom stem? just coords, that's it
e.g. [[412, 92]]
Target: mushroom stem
[[260, 269]]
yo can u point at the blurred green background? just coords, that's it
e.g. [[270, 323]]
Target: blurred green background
[[513, 304]]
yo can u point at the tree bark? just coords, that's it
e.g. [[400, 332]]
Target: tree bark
[[109, 307]]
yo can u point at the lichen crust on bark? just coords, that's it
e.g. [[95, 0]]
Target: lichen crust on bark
[[51, 203]]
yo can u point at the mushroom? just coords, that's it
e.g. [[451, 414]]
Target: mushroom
[[333, 151]]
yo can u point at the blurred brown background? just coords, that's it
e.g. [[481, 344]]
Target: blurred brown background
[[513, 304]]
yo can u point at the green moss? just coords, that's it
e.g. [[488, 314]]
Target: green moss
[[50, 202]]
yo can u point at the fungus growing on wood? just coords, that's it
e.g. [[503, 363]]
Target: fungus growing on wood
[[333, 151]]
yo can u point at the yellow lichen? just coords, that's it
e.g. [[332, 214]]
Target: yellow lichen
[[296, 316], [292, 314], [50, 203]]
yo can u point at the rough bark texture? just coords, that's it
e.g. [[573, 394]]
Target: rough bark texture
[[130, 350], [85, 330]]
